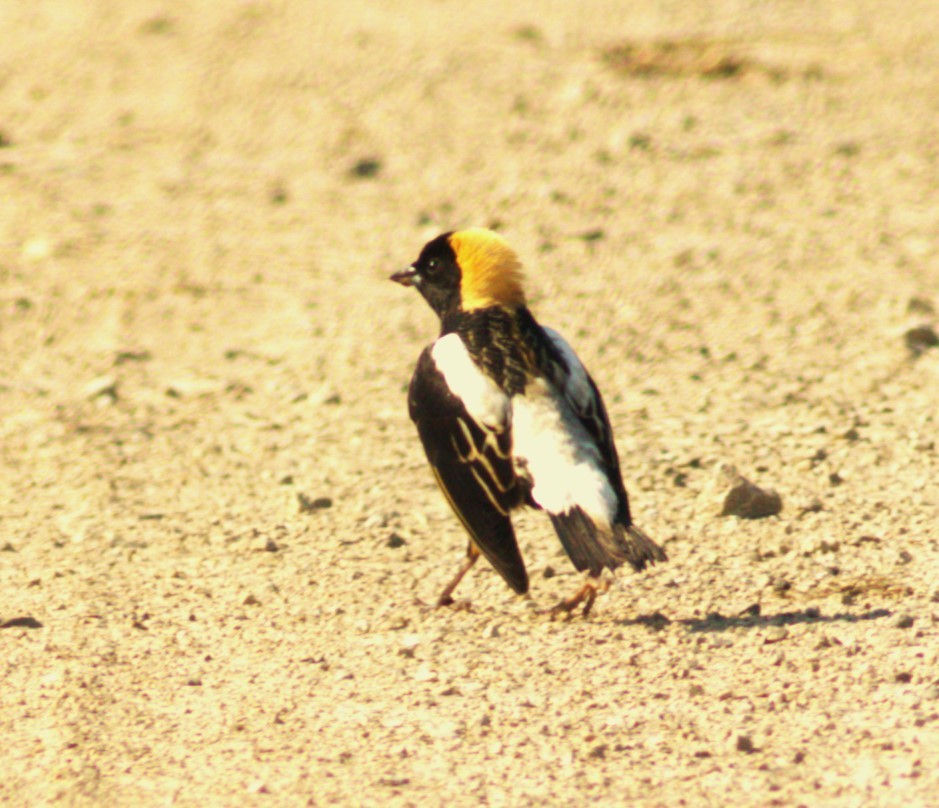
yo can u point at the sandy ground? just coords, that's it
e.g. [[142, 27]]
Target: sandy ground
[[729, 208]]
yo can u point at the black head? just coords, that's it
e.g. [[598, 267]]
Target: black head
[[466, 270], [436, 275]]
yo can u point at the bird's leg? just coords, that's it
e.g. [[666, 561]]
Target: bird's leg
[[472, 554], [587, 594]]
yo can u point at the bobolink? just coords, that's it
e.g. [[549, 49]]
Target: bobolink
[[509, 416]]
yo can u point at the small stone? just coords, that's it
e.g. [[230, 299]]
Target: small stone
[[799, 757], [902, 620], [394, 541], [409, 644], [904, 557], [491, 630], [277, 193], [21, 622], [308, 505], [920, 305], [825, 642], [903, 677], [251, 600], [745, 744], [781, 585], [598, 752], [920, 339], [271, 546], [122, 357], [375, 520], [735, 495], [366, 168], [102, 386], [775, 634], [812, 506], [196, 681]]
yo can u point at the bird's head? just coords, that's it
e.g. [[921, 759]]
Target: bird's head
[[466, 270]]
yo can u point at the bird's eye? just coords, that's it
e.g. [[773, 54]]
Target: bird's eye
[[433, 265]]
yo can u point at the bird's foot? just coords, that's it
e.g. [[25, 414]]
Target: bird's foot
[[586, 595], [446, 600]]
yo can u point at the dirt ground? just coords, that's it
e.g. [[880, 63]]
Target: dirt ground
[[217, 527]]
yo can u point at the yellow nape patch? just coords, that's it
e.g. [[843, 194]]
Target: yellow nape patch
[[492, 273]]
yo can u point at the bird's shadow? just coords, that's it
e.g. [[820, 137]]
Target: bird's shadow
[[715, 622]]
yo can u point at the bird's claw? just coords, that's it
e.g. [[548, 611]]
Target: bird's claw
[[464, 605], [586, 595]]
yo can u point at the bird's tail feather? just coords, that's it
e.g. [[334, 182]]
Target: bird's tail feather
[[594, 547], [641, 550]]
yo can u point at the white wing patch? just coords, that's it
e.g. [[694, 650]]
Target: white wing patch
[[554, 450], [485, 402], [577, 386]]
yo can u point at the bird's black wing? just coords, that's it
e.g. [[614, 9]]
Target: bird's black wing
[[473, 466], [592, 414]]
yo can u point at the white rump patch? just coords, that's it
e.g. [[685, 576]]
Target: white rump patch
[[484, 400], [557, 453]]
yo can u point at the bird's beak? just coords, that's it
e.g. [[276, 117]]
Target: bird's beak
[[406, 277]]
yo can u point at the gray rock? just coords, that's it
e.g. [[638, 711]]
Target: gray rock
[[732, 494]]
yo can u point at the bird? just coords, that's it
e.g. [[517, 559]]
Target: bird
[[510, 418]]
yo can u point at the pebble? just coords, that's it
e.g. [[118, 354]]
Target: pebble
[[732, 494], [781, 585], [308, 505], [21, 622], [745, 744], [902, 620], [775, 634], [921, 338], [193, 388], [101, 386]]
